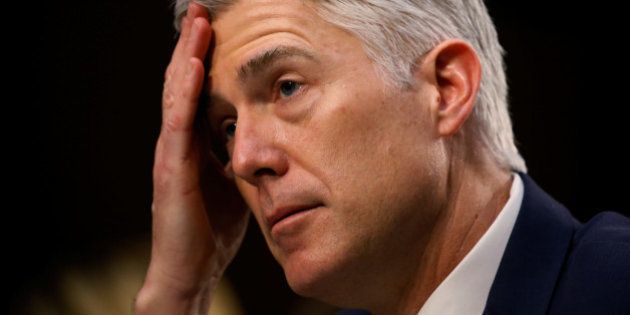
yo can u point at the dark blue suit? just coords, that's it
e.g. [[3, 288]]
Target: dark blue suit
[[554, 265]]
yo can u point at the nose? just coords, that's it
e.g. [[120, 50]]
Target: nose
[[256, 152]]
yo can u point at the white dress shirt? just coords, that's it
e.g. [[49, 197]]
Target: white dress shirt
[[465, 290]]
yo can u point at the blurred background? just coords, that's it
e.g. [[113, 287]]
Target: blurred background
[[79, 148]]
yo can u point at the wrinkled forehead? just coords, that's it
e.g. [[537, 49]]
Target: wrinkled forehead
[[251, 28], [251, 23]]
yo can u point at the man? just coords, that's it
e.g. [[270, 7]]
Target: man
[[371, 141]]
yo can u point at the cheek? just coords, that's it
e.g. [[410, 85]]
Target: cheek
[[376, 154], [365, 138]]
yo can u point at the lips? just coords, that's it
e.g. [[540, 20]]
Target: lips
[[281, 213]]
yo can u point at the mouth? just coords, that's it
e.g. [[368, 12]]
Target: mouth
[[282, 213]]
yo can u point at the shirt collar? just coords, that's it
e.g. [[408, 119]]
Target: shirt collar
[[465, 290]]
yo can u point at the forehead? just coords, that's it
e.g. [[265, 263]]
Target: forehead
[[248, 20], [252, 26]]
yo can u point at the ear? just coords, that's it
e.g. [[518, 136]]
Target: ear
[[453, 71]]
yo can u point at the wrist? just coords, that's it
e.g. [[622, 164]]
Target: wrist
[[158, 296]]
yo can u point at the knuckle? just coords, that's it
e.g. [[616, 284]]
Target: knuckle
[[162, 177], [168, 99], [174, 123], [170, 71], [172, 177]]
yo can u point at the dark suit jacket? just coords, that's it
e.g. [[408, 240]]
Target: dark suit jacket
[[554, 265]]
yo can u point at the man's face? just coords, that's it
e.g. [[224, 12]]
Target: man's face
[[318, 129]]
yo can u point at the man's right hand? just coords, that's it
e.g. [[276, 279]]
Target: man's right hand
[[199, 218]]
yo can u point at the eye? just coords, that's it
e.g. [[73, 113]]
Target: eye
[[228, 129], [288, 88]]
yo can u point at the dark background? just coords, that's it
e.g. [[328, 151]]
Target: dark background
[[87, 94]]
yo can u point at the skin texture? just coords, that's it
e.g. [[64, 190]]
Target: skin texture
[[400, 194]]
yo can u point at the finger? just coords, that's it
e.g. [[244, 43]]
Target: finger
[[199, 39], [176, 58], [177, 123], [197, 43], [182, 89], [194, 10], [183, 37]]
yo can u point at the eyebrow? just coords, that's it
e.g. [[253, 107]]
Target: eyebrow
[[261, 62]]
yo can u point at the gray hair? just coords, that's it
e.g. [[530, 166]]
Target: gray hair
[[397, 33]]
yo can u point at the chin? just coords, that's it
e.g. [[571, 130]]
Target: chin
[[306, 273], [321, 276]]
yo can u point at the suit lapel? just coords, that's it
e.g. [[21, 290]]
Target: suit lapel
[[534, 255]]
